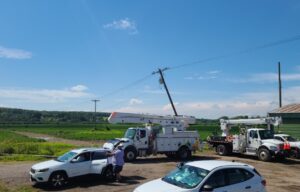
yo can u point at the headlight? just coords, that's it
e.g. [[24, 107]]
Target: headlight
[[273, 148], [43, 170]]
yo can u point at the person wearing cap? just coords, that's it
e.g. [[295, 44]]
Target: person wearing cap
[[117, 161]]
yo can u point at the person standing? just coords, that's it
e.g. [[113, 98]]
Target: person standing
[[118, 161]]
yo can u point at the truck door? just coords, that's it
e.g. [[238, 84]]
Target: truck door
[[253, 140], [142, 139]]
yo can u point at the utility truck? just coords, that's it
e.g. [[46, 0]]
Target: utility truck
[[252, 141], [161, 135]]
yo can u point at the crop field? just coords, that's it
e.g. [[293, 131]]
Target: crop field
[[87, 132], [16, 147]]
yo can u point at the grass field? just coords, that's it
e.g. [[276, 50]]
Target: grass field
[[15, 147]]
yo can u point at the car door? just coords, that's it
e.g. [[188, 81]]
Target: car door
[[240, 180], [80, 165], [253, 141], [99, 161], [217, 181], [141, 139]]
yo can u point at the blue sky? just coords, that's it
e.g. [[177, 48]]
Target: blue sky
[[58, 55]]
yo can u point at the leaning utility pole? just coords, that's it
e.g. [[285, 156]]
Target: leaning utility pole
[[279, 84], [95, 101], [162, 81]]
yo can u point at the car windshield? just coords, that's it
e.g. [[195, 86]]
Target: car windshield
[[130, 133], [66, 157], [289, 138], [266, 134], [186, 177]]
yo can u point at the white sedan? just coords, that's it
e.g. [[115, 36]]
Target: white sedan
[[211, 175]]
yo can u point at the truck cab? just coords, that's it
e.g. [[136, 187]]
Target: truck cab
[[261, 142]]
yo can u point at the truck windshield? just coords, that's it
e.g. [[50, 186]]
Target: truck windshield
[[186, 177], [66, 157], [266, 134], [130, 133]]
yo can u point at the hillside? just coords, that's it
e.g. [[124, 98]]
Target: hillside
[[12, 116]]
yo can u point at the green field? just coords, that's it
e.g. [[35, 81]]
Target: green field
[[15, 147]]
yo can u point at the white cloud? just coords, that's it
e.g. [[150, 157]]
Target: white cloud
[[168, 107], [135, 101], [10, 53], [79, 88], [41, 95], [214, 72], [123, 24]]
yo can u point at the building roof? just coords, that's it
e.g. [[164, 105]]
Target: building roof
[[291, 108]]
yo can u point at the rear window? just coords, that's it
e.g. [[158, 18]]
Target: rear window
[[256, 172]]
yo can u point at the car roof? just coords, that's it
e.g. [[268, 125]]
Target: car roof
[[284, 135], [213, 164], [92, 149]]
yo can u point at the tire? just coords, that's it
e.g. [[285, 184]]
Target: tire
[[108, 174], [130, 154], [184, 153], [264, 155], [222, 150], [58, 179], [295, 154]]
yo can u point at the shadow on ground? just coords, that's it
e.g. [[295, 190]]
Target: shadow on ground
[[91, 181]]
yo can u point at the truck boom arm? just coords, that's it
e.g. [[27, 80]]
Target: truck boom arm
[[226, 124], [176, 121]]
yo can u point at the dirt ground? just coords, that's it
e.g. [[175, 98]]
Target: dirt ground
[[280, 176]]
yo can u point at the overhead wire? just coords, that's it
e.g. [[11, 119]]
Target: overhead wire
[[260, 47]]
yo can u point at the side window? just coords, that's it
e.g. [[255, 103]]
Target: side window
[[217, 179], [247, 174], [142, 133], [237, 176], [253, 134], [99, 155], [83, 157]]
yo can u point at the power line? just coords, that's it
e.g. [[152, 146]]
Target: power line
[[260, 47], [127, 86]]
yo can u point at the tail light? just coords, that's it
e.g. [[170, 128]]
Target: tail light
[[264, 182]]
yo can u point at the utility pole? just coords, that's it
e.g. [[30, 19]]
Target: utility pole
[[95, 101], [162, 81], [279, 84]]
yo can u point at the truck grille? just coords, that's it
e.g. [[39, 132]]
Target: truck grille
[[32, 170]]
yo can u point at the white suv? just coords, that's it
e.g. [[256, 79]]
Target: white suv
[[213, 175], [294, 143], [74, 163]]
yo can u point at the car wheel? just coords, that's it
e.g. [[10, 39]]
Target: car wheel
[[130, 154], [264, 155], [108, 173], [222, 150], [58, 179], [295, 153], [183, 153]]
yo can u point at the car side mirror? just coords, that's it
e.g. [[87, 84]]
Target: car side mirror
[[207, 188], [180, 165]]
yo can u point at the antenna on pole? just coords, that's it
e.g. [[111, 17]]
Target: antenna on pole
[[95, 101], [279, 85], [162, 81]]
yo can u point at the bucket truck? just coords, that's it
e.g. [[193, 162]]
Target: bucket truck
[[252, 141], [169, 137]]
